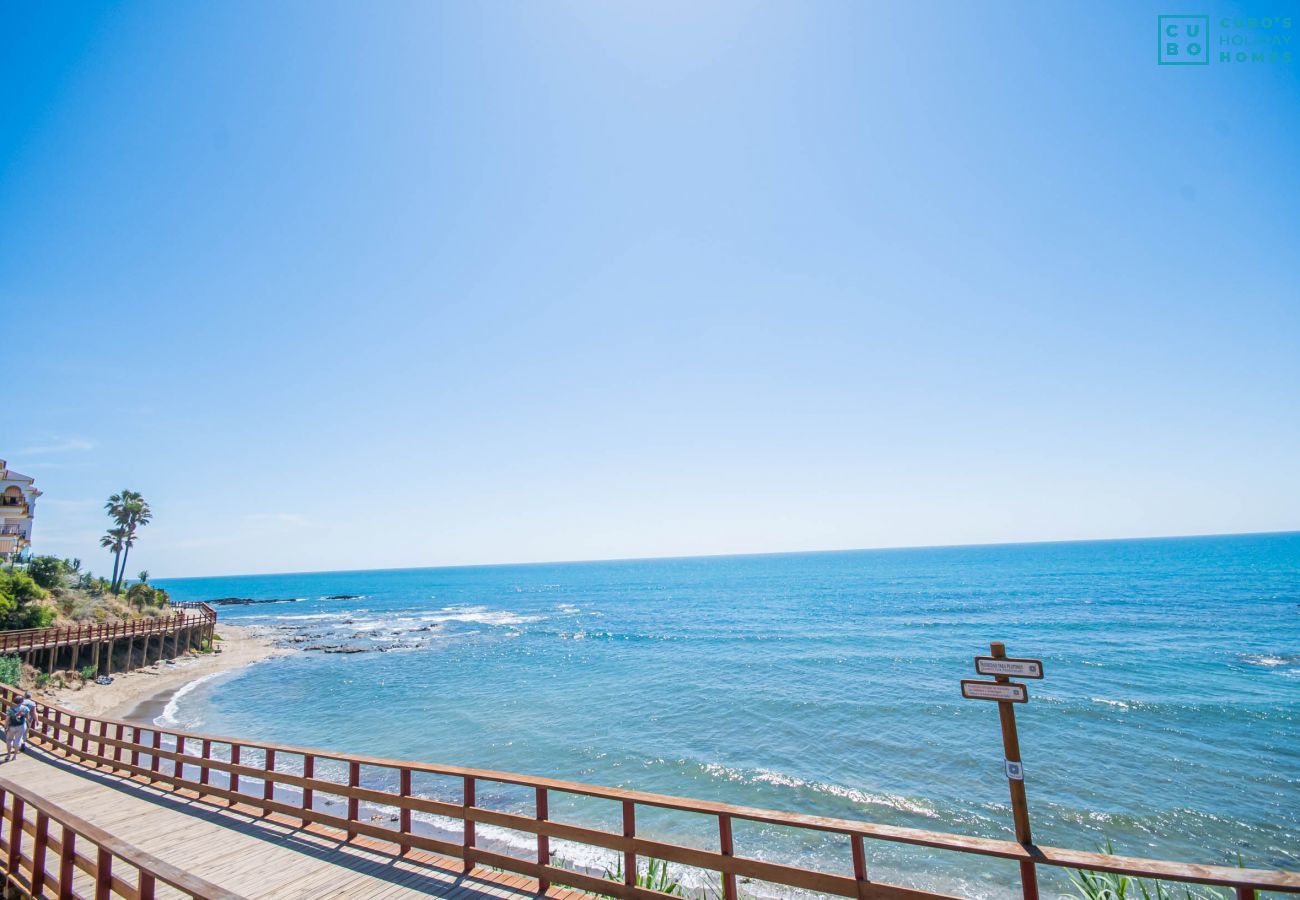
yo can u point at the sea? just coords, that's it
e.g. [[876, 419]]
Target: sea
[[1167, 723]]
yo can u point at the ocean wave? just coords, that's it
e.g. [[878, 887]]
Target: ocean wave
[[305, 617], [480, 615], [1270, 660], [897, 802], [170, 717], [1118, 704]]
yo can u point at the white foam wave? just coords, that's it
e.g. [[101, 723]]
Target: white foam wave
[[481, 615], [170, 714], [305, 617], [1118, 704], [781, 779]]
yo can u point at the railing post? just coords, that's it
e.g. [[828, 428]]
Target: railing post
[[308, 772], [178, 771], [38, 853], [404, 816], [234, 776], [629, 832], [354, 780], [104, 875], [15, 834], [1245, 893], [859, 863], [467, 839], [135, 745], [153, 757], [268, 786], [145, 886], [204, 770], [67, 857], [117, 751], [543, 840], [727, 847]]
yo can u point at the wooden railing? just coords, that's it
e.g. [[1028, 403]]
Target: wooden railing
[[191, 615], [220, 768], [43, 847]]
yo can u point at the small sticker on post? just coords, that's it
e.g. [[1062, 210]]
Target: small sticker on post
[[1015, 770]]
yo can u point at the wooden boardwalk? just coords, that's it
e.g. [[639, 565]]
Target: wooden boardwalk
[[189, 625], [249, 854]]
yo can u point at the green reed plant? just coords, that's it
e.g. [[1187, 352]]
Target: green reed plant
[[1109, 886], [655, 877]]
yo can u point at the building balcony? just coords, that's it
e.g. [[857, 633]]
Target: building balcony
[[15, 530]]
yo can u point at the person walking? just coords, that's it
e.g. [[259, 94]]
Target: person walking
[[15, 728], [30, 705]]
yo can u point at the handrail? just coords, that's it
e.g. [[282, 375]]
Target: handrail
[[24, 639], [140, 750], [31, 874]]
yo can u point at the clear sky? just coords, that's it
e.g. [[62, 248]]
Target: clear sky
[[349, 285]]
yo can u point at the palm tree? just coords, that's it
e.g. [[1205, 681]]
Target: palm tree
[[144, 576], [130, 510], [112, 541]]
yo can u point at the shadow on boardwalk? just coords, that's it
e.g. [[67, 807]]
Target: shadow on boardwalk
[[354, 869]]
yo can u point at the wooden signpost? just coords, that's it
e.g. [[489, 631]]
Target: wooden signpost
[[1007, 693]]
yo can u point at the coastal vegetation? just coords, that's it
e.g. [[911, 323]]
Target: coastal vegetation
[[56, 592]]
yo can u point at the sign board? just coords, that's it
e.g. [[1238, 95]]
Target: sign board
[[994, 690], [1015, 771], [1016, 668]]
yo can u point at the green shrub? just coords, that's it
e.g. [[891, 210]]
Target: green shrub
[[37, 616], [20, 586], [17, 593], [145, 596], [11, 670], [43, 679], [88, 673], [47, 571]]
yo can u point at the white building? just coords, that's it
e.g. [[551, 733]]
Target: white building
[[17, 508]]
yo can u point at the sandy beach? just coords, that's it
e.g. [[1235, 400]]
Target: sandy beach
[[142, 695]]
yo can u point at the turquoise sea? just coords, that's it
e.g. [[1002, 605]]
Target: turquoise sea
[[1168, 723]]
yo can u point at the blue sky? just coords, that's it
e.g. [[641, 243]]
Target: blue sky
[[344, 285]]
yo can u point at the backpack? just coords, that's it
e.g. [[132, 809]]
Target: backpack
[[17, 716]]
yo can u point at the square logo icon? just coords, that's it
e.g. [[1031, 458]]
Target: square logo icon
[[1184, 40]]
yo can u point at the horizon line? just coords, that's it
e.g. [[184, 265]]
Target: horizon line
[[752, 553]]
